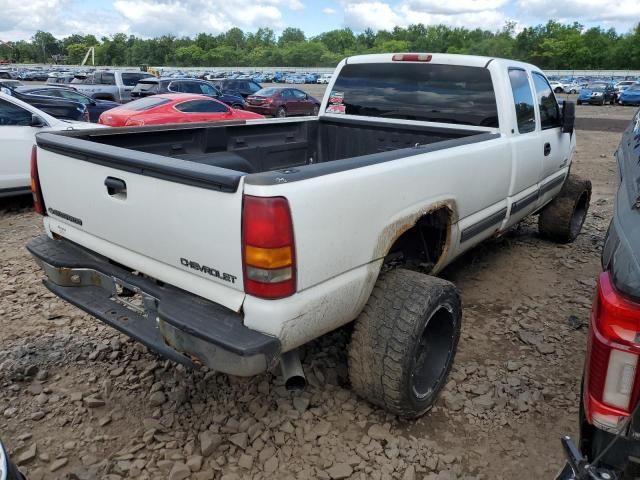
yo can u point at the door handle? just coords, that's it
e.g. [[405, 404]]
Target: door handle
[[547, 149], [115, 186]]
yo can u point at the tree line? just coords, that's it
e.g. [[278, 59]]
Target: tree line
[[550, 46]]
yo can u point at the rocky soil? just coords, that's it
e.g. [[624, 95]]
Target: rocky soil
[[80, 401]]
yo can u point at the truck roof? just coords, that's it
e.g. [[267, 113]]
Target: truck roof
[[440, 58]]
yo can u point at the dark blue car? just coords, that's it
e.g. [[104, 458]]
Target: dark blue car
[[153, 86], [597, 93], [631, 96], [95, 107]]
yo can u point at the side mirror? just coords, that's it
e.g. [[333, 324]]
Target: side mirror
[[568, 116], [37, 121]]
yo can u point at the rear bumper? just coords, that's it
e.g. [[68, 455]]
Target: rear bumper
[[176, 324]]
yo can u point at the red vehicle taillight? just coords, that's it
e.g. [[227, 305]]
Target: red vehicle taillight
[[36, 190], [611, 374], [268, 249]]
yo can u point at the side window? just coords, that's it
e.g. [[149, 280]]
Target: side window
[[201, 106], [191, 87], [253, 87], [549, 109], [299, 95], [96, 78], [522, 100], [13, 115], [108, 78], [207, 90], [175, 87]]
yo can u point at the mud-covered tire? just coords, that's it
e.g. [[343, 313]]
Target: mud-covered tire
[[562, 219], [404, 342]]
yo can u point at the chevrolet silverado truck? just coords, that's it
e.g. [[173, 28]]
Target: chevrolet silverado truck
[[233, 244]]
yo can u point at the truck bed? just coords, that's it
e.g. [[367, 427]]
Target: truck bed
[[260, 147]]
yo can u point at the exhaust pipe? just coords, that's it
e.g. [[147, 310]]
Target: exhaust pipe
[[294, 379]]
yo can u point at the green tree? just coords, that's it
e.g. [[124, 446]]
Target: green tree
[[291, 35]]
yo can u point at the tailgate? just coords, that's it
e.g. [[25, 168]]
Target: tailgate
[[176, 221]]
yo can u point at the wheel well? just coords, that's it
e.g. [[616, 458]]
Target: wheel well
[[425, 244]]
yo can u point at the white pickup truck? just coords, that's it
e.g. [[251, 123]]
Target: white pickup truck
[[231, 245]]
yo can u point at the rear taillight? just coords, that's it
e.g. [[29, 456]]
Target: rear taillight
[[268, 249], [411, 57], [36, 190], [612, 386]]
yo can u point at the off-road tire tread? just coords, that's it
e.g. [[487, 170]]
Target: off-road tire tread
[[384, 335], [554, 222]]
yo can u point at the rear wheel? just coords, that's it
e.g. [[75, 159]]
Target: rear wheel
[[281, 112], [579, 102], [562, 220], [404, 342], [558, 90]]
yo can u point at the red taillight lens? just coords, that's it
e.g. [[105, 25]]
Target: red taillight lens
[[411, 57], [38, 201], [268, 249], [612, 386]]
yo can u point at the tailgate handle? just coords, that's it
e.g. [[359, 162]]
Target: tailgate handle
[[115, 186]]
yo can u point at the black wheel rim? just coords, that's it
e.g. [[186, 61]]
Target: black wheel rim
[[579, 215], [434, 353], [281, 112]]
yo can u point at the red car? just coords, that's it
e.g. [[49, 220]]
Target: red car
[[172, 108], [282, 102]]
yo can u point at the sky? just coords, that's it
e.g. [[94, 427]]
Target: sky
[[149, 18]]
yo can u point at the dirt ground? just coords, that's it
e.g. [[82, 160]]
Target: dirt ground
[[80, 401]]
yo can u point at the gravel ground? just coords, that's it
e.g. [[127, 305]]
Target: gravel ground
[[80, 401]]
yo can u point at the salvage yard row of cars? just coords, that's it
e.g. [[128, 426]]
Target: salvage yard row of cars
[[240, 291]]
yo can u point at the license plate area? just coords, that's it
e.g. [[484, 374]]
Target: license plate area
[[132, 298]]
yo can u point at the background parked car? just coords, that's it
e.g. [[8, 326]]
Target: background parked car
[[283, 102], [56, 107], [630, 96], [172, 108], [324, 78], [242, 87], [111, 85], [153, 86], [95, 107], [19, 123], [597, 94], [10, 84]]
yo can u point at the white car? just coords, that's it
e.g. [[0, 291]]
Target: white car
[[560, 87], [19, 123], [324, 78]]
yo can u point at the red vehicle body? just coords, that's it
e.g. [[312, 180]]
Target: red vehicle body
[[282, 102], [172, 108]]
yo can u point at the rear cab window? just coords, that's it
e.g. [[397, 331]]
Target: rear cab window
[[417, 91]]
